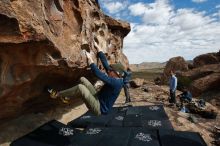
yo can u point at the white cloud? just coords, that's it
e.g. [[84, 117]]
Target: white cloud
[[188, 19], [199, 1], [166, 32], [114, 7], [153, 13], [217, 7], [137, 9]]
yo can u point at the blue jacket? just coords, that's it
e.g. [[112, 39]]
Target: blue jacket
[[112, 87], [173, 83]]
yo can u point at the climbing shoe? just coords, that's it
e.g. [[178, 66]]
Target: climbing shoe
[[53, 93], [65, 100]]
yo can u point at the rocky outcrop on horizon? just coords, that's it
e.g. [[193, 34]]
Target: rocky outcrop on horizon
[[41, 43], [202, 77], [147, 65], [205, 59]]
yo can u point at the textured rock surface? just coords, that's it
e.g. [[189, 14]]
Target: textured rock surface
[[41, 43], [175, 64], [204, 78], [210, 58], [200, 72], [206, 83]]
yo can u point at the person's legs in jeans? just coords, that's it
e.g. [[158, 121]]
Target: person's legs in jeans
[[83, 92], [172, 97], [127, 94]]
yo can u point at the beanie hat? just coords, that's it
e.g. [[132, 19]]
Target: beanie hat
[[118, 67]]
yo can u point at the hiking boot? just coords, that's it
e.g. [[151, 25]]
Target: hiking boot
[[65, 100], [53, 93]]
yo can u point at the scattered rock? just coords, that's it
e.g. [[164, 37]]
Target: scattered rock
[[158, 81], [137, 82], [146, 89]]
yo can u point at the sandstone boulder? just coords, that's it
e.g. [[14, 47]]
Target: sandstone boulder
[[205, 59], [201, 79], [200, 72], [205, 84], [176, 64], [41, 43]]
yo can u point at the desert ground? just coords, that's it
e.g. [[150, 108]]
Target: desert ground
[[140, 96]]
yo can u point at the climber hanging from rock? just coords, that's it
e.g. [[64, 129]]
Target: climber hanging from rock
[[98, 102]]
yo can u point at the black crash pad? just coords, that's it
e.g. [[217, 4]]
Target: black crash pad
[[117, 120], [102, 136], [141, 121], [89, 119], [49, 134], [132, 121], [180, 138], [155, 112], [142, 110], [89, 137], [115, 136], [143, 137], [155, 115], [156, 124]]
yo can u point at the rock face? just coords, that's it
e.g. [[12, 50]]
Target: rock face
[[41, 43], [203, 84], [210, 58], [175, 64], [203, 78]]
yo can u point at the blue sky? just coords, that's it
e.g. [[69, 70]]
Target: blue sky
[[161, 29]]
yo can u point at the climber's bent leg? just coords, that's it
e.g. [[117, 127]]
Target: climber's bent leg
[[83, 92], [88, 85]]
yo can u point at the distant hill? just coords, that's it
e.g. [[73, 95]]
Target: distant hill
[[147, 65]]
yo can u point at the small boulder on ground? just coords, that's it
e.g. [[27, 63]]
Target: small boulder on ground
[[137, 82]]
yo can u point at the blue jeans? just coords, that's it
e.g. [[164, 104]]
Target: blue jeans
[[172, 96], [127, 94]]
